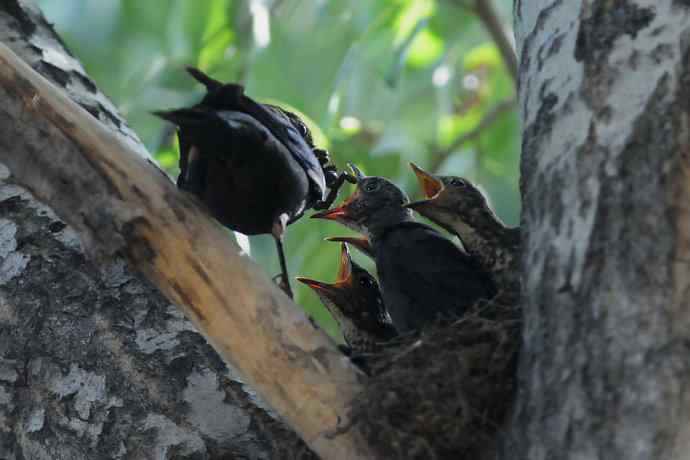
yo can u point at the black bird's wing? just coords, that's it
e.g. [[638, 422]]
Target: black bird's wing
[[297, 142], [192, 122], [231, 97], [213, 132], [192, 170], [423, 274]]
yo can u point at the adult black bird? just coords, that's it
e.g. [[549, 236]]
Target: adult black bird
[[253, 165], [355, 302], [457, 205], [423, 275]]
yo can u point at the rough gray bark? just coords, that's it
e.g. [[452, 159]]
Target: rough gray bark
[[94, 362], [604, 95]]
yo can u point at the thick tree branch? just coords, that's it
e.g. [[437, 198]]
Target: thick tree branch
[[120, 203], [604, 104]]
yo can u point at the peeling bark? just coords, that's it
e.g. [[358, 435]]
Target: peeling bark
[[94, 362], [604, 100]]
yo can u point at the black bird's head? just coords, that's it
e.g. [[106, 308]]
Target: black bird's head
[[354, 299], [452, 201], [375, 203]]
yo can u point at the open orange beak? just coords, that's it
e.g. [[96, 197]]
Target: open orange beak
[[334, 291], [339, 212], [431, 186], [318, 286], [360, 242], [330, 293]]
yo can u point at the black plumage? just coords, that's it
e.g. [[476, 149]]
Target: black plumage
[[423, 275], [253, 165]]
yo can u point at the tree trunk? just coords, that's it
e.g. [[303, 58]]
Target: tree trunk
[[605, 101], [94, 362]]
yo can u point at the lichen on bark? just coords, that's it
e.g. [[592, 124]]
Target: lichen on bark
[[94, 363], [603, 367]]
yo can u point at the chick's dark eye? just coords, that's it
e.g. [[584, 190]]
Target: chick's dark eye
[[457, 182], [365, 282], [371, 186]]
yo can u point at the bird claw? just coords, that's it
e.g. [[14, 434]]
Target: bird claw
[[323, 156], [334, 187]]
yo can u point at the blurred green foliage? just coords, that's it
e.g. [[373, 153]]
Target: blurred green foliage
[[383, 82]]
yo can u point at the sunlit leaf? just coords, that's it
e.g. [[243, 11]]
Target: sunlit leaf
[[167, 158], [484, 55], [410, 16], [453, 126], [214, 49], [425, 49]]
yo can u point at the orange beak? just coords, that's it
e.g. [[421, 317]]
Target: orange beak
[[343, 283], [331, 295], [314, 284], [345, 268], [360, 242], [339, 212], [431, 186]]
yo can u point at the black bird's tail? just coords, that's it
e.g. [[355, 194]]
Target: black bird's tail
[[220, 96], [192, 122], [204, 79], [187, 117]]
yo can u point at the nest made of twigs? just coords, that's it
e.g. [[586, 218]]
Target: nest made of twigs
[[444, 392]]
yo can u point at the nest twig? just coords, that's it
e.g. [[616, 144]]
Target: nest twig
[[442, 393]]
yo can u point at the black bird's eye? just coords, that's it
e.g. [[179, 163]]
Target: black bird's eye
[[371, 186], [303, 129], [457, 182]]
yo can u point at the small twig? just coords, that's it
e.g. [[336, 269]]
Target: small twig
[[490, 117], [486, 13]]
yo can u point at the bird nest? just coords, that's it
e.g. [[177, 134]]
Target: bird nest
[[442, 393]]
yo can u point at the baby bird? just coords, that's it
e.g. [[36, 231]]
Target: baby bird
[[355, 303], [458, 206]]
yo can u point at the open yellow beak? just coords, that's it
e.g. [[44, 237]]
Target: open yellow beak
[[342, 284], [431, 186]]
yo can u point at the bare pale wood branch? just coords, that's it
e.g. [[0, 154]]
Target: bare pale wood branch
[[120, 203]]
